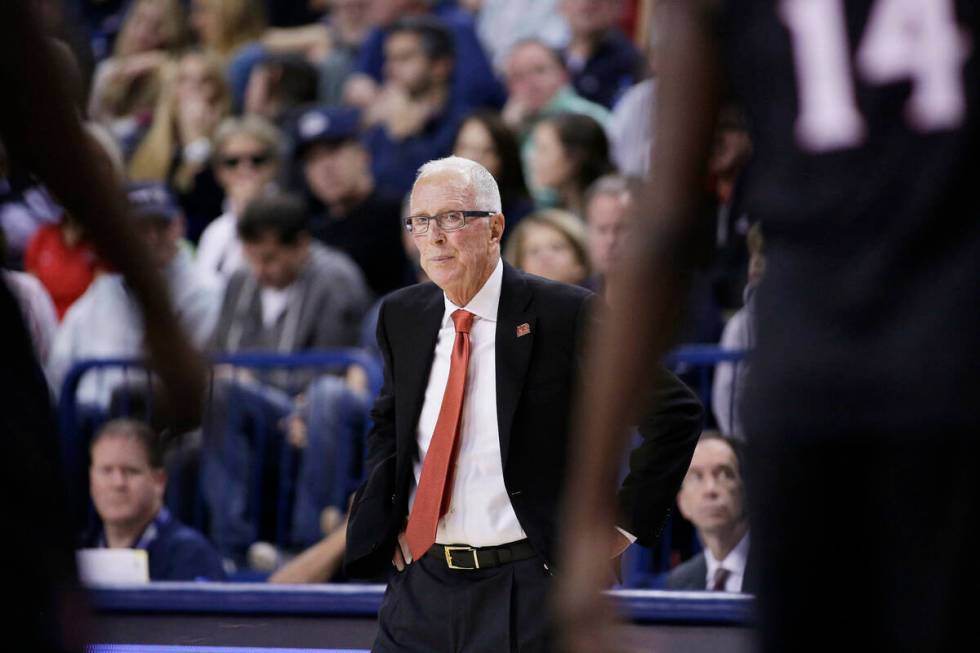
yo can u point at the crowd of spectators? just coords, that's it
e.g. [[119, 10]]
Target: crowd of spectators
[[267, 148]]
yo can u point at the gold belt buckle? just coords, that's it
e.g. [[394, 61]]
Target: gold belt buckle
[[449, 556]]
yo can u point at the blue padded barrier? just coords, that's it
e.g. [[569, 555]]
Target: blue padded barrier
[[354, 600]]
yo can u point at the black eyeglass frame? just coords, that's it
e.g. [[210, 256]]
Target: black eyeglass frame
[[440, 219]]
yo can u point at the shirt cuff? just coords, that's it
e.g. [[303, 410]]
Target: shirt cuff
[[629, 536]]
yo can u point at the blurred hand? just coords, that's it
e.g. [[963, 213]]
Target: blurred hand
[[514, 113], [360, 91], [196, 119]]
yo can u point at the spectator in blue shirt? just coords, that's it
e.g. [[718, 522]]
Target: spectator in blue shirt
[[473, 81], [603, 63], [415, 118], [127, 482]]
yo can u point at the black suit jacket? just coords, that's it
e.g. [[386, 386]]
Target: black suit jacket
[[536, 378], [692, 575]]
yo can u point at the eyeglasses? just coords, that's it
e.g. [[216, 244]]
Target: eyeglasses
[[447, 221], [255, 160]]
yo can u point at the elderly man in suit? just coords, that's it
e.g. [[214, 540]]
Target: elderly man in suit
[[712, 498], [467, 454]]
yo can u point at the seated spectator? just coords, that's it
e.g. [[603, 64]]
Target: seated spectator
[[62, 259], [59, 254], [551, 244], [602, 61], [712, 497], [127, 482], [484, 138], [86, 332], [538, 85], [177, 148], [738, 334], [246, 163], [358, 218], [231, 31], [127, 86], [473, 82], [295, 295], [570, 152], [607, 206], [278, 84], [414, 119]]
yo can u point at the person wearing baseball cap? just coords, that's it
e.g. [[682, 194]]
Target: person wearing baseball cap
[[357, 217]]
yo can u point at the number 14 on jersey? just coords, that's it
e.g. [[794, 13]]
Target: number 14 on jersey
[[914, 40]]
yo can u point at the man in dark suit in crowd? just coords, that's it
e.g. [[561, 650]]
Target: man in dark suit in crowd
[[712, 498], [469, 440]]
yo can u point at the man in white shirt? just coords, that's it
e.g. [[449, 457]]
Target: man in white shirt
[[467, 455], [712, 497]]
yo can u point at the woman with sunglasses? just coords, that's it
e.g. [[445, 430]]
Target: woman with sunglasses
[[246, 163]]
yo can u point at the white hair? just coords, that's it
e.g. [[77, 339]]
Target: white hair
[[486, 195]]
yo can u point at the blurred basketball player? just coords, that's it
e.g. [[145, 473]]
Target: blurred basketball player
[[861, 413], [40, 127]]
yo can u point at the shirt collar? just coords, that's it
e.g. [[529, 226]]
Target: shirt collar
[[734, 562], [485, 302]]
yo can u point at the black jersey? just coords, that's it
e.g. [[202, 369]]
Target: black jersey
[[864, 116]]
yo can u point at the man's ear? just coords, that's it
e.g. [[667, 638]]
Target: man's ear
[[159, 481], [497, 225]]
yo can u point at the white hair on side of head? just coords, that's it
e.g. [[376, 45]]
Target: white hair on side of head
[[485, 191]]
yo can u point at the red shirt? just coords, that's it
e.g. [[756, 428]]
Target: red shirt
[[66, 271]]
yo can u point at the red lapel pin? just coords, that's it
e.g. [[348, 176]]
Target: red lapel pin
[[523, 329]]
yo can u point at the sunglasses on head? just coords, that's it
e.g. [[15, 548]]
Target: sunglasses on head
[[255, 160]]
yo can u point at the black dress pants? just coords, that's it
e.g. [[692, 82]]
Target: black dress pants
[[429, 608]]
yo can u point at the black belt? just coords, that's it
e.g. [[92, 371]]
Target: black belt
[[460, 556]]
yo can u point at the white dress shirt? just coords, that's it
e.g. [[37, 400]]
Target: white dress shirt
[[480, 512], [734, 562]]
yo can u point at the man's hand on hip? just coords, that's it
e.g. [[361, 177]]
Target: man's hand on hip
[[402, 556]]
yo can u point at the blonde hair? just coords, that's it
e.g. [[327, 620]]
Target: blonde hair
[[154, 156], [174, 27], [238, 22], [564, 222], [252, 125]]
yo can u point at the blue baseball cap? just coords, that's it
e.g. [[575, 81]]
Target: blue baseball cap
[[326, 125], [152, 200]]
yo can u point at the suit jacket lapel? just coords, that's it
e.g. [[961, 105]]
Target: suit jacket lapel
[[516, 328], [419, 351]]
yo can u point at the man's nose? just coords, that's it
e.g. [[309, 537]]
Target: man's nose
[[436, 234]]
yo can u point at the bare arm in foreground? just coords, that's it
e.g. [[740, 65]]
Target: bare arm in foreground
[[650, 285]]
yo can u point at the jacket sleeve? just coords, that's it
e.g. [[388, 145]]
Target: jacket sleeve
[[668, 432], [369, 543]]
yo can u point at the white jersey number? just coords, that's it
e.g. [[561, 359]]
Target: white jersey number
[[916, 40]]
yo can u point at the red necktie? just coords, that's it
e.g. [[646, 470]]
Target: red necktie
[[435, 482], [721, 577]]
